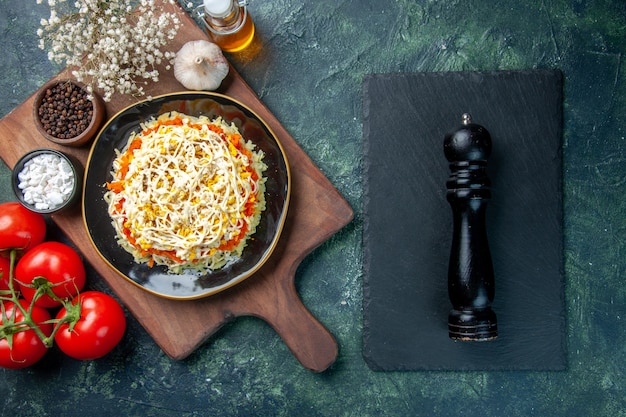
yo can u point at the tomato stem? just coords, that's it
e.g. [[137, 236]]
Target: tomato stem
[[43, 287]]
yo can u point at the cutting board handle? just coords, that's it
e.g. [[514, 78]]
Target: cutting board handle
[[309, 341]]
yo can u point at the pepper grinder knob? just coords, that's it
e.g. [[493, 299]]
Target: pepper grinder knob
[[470, 270]]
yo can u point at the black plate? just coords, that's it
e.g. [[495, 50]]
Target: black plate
[[156, 279]]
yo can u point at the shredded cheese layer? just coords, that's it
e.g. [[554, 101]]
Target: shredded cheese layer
[[186, 193]]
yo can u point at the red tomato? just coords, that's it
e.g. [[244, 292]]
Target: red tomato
[[20, 228], [5, 269], [59, 264], [100, 328], [27, 347]]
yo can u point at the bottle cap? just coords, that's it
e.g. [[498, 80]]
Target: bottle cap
[[218, 8]]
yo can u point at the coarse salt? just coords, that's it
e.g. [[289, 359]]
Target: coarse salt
[[46, 181]]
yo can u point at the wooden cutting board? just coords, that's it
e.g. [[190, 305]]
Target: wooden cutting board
[[316, 212]]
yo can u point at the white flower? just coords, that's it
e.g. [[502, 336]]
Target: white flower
[[113, 46]]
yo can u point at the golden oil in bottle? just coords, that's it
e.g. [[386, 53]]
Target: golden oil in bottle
[[229, 24]]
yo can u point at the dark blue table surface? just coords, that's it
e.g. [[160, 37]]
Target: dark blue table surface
[[309, 73]]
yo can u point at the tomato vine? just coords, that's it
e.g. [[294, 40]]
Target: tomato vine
[[41, 286]]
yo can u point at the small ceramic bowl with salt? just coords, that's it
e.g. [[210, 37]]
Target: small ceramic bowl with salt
[[47, 181]]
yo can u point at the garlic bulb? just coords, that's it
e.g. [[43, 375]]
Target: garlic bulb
[[200, 65]]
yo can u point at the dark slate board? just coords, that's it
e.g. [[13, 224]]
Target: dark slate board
[[408, 221]]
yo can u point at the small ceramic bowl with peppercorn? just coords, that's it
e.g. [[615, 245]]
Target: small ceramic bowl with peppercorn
[[47, 181], [65, 113]]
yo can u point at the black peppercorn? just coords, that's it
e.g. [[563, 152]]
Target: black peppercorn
[[65, 111]]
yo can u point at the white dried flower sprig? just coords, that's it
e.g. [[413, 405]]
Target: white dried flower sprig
[[112, 45]]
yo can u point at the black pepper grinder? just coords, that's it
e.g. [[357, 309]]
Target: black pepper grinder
[[470, 271]]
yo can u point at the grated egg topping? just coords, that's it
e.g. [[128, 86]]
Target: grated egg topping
[[187, 192]]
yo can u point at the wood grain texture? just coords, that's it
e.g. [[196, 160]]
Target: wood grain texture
[[316, 212]]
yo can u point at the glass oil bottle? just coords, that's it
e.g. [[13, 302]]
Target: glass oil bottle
[[228, 23]]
